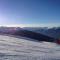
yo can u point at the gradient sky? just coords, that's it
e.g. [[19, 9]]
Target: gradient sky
[[30, 12]]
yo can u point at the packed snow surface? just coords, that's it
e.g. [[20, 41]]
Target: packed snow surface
[[12, 48]]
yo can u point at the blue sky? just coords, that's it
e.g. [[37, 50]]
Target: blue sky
[[30, 12]]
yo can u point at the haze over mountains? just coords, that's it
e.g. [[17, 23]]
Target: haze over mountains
[[52, 32]]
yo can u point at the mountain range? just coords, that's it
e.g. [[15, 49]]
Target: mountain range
[[52, 32]]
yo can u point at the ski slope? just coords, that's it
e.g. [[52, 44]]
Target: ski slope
[[12, 48]]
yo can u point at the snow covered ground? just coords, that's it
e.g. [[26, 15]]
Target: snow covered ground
[[12, 48]]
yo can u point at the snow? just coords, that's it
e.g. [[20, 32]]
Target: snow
[[12, 48]]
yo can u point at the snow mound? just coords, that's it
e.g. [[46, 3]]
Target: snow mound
[[12, 48]]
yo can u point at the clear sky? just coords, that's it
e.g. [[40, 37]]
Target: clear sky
[[30, 12]]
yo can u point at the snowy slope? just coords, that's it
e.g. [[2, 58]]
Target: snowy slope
[[22, 49]]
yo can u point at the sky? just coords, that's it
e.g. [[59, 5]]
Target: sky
[[30, 13]]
